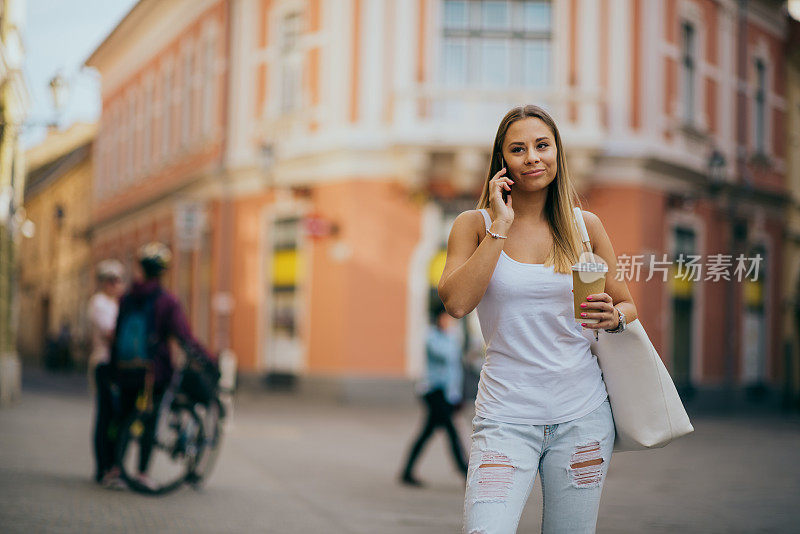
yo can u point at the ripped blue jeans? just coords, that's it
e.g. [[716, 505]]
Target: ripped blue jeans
[[572, 459]]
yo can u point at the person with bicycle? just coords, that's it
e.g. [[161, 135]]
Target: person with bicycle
[[149, 317]]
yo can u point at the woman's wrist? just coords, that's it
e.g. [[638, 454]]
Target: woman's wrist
[[499, 227]]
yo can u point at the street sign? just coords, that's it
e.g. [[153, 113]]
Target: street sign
[[190, 219], [316, 226]]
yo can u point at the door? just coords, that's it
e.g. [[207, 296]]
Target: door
[[683, 308], [284, 351], [755, 340]]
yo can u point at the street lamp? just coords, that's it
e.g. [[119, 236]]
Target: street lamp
[[58, 92], [716, 169]]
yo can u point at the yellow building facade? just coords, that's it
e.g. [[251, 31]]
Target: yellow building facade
[[56, 274]]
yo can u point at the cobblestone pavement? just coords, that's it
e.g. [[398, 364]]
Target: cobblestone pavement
[[297, 465]]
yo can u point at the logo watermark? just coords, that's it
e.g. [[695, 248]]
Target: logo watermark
[[689, 267]]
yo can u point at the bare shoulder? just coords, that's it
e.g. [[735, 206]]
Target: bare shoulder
[[593, 224], [470, 221], [591, 218]]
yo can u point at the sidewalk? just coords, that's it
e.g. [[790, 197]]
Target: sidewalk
[[299, 465]]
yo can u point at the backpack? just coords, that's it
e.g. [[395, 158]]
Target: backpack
[[133, 345]]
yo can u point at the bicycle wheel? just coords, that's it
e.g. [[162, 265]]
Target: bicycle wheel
[[176, 442], [213, 418]]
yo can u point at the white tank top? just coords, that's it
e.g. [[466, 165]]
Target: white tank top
[[539, 369]]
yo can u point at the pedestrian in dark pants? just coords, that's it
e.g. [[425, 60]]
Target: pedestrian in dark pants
[[103, 307], [442, 388], [103, 446]]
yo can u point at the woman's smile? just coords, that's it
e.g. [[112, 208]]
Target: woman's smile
[[534, 172]]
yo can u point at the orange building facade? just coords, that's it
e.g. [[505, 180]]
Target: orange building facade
[[305, 159]]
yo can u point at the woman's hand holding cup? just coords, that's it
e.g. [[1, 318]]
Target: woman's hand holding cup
[[600, 307]]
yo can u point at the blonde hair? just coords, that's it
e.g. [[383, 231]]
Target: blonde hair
[[562, 196]]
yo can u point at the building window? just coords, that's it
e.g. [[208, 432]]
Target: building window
[[497, 43], [119, 149], [147, 138], [689, 67], [166, 113], [155, 123], [112, 152], [138, 161], [122, 135], [209, 83], [761, 106], [186, 97], [290, 62], [102, 155], [130, 130], [104, 173]]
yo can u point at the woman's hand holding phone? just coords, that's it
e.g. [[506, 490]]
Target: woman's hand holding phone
[[500, 200]]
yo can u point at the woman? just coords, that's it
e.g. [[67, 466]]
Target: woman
[[103, 307], [542, 405]]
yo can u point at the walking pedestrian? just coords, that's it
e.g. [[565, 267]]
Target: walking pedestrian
[[442, 391], [102, 313], [542, 405]]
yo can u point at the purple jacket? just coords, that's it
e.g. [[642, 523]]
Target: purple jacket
[[168, 322]]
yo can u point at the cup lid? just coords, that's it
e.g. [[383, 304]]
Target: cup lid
[[591, 267]]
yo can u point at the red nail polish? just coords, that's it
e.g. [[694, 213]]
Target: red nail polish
[[583, 324], [583, 305], [588, 298], [583, 315]]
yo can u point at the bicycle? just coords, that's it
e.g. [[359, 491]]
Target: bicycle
[[188, 431]]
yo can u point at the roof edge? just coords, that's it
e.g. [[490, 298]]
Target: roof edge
[[58, 143], [130, 19]]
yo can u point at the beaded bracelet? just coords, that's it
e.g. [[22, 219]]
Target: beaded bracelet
[[496, 236]]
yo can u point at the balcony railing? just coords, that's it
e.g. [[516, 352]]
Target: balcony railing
[[483, 108]]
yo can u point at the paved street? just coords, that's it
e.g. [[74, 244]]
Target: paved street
[[294, 465]]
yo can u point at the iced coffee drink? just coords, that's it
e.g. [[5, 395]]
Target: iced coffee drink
[[588, 278]]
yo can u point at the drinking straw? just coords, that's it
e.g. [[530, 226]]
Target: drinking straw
[[582, 231]]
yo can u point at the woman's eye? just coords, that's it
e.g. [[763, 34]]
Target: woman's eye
[[517, 149], [542, 146]]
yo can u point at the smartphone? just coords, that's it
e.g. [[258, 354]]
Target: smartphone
[[504, 191]]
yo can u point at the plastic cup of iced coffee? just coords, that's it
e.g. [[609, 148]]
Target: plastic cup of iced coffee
[[588, 278]]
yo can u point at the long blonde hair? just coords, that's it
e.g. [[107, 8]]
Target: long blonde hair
[[561, 193]]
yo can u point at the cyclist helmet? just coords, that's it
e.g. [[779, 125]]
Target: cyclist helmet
[[154, 258]]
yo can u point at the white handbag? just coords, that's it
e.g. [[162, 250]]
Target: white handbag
[[648, 413]]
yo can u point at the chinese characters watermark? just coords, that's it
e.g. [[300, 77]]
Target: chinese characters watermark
[[689, 267]]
